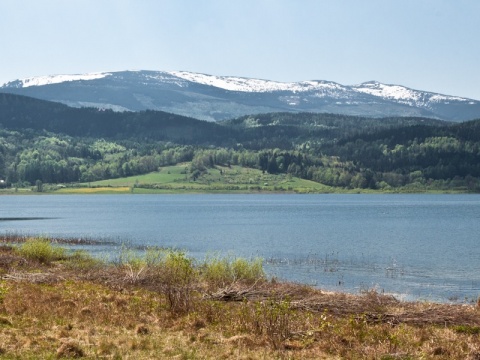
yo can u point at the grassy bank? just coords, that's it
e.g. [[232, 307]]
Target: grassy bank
[[163, 304]]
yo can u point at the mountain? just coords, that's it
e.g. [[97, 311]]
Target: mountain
[[214, 98]]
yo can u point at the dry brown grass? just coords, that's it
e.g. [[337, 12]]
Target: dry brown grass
[[63, 310]]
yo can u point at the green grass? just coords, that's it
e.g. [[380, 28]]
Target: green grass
[[175, 179], [166, 175]]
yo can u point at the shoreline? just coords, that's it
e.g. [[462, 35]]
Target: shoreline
[[139, 191], [59, 304], [84, 242]]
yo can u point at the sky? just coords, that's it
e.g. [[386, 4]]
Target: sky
[[427, 45]]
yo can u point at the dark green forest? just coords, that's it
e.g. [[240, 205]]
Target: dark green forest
[[48, 142]]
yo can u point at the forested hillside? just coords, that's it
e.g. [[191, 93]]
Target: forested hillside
[[51, 143], [20, 112]]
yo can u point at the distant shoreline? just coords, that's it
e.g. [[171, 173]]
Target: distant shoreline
[[136, 191]]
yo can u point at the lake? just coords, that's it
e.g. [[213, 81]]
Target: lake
[[413, 246]]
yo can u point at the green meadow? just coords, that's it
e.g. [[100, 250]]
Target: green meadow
[[177, 179]]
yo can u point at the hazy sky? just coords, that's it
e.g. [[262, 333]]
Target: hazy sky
[[423, 44]]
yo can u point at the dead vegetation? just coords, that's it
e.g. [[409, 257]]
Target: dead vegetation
[[167, 307]]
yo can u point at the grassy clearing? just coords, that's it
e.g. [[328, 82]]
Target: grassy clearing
[[163, 304], [166, 175], [175, 179]]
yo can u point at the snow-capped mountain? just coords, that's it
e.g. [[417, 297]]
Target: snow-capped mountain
[[212, 97], [53, 79]]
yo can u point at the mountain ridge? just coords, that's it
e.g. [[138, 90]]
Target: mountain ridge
[[213, 98]]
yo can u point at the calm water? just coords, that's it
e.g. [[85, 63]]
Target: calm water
[[414, 246]]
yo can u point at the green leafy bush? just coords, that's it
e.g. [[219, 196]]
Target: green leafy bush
[[172, 272], [220, 271], [178, 276], [249, 271], [41, 250]]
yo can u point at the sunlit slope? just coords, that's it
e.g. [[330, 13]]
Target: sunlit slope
[[220, 178]]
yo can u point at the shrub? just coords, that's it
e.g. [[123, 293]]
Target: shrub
[[249, 271], [177, 277], [133, 264], [82, 260], [222, 271], [130, 257], [216, 271], [272, 318], [170, 271], [41, 250]]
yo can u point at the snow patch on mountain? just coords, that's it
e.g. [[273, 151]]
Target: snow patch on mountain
[[403, 94], [443, 98], [395, 92], [241, 84], [166, 78], [320, 89], [54, 79]]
